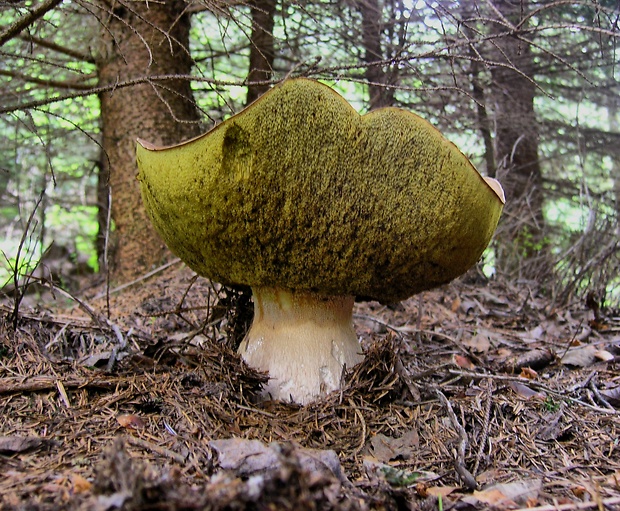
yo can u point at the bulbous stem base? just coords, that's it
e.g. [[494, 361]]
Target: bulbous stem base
[[304, 340]]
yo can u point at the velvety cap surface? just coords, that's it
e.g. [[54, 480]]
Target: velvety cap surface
[[299, 191]]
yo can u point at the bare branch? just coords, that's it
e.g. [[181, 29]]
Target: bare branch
[[48, 82], [27, 20], [112, 87], [57, 48]]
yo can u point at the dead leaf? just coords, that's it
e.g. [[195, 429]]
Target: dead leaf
[[463, 362], [16, 444], [80, 484], [500, 355], [479, 343], [494, 497], [385, 448], [130, 421], [582, 356], [493, 298], [510, 494], [534, 335], [604, 355], [441, 491], [97, 359], [455, 304], [612, 396], [488, 476], [248, 457], [115, 500], [524, 391], [528, 373]]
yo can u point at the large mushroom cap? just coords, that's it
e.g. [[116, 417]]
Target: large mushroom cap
[[299, 191]]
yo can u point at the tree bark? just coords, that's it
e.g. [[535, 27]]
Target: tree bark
[[103, 212], [262, 51], [479, 91], [141, 39], [372, 31], [614, 127], [522, 251]]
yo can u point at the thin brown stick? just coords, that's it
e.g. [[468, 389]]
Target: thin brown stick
[[485, 425], [48, 82], [58, 48], [22, 23], [363, 422], [63, 393], [139, 279], [44, 383], [459, 460]]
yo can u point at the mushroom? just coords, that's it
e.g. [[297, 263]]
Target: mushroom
[[313, 205]]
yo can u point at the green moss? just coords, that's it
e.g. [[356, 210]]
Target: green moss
[[300, 191]]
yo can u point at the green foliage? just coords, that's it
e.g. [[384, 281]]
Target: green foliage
[[530, 243], [50, 146], [431, 52], [20, 266], [79, 227], [399, 477], [551, 405]]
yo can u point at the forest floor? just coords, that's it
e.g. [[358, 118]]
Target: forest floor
[[478, 395]]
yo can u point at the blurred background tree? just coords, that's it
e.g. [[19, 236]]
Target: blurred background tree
[[529, 90], [144, 42]]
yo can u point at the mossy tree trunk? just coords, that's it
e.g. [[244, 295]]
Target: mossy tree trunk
[[141, 39], [521, 252]]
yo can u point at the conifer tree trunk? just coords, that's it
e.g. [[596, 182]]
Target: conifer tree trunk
[[614, 127], [521, 252], [141, 39], [372, 32], [262, 51]]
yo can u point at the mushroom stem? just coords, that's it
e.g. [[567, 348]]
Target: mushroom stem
[[303, 340]]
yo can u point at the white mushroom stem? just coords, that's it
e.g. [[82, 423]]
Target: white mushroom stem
[[303, 340]]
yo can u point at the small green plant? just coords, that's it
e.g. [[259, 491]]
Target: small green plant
[[399, 477], [551, 405], [22, 264]]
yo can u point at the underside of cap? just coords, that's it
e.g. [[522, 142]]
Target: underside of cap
[[300, 192]]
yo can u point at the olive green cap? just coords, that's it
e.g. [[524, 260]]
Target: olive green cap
[[299, 191]]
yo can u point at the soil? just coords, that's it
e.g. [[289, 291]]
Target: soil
[[478, 395]]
